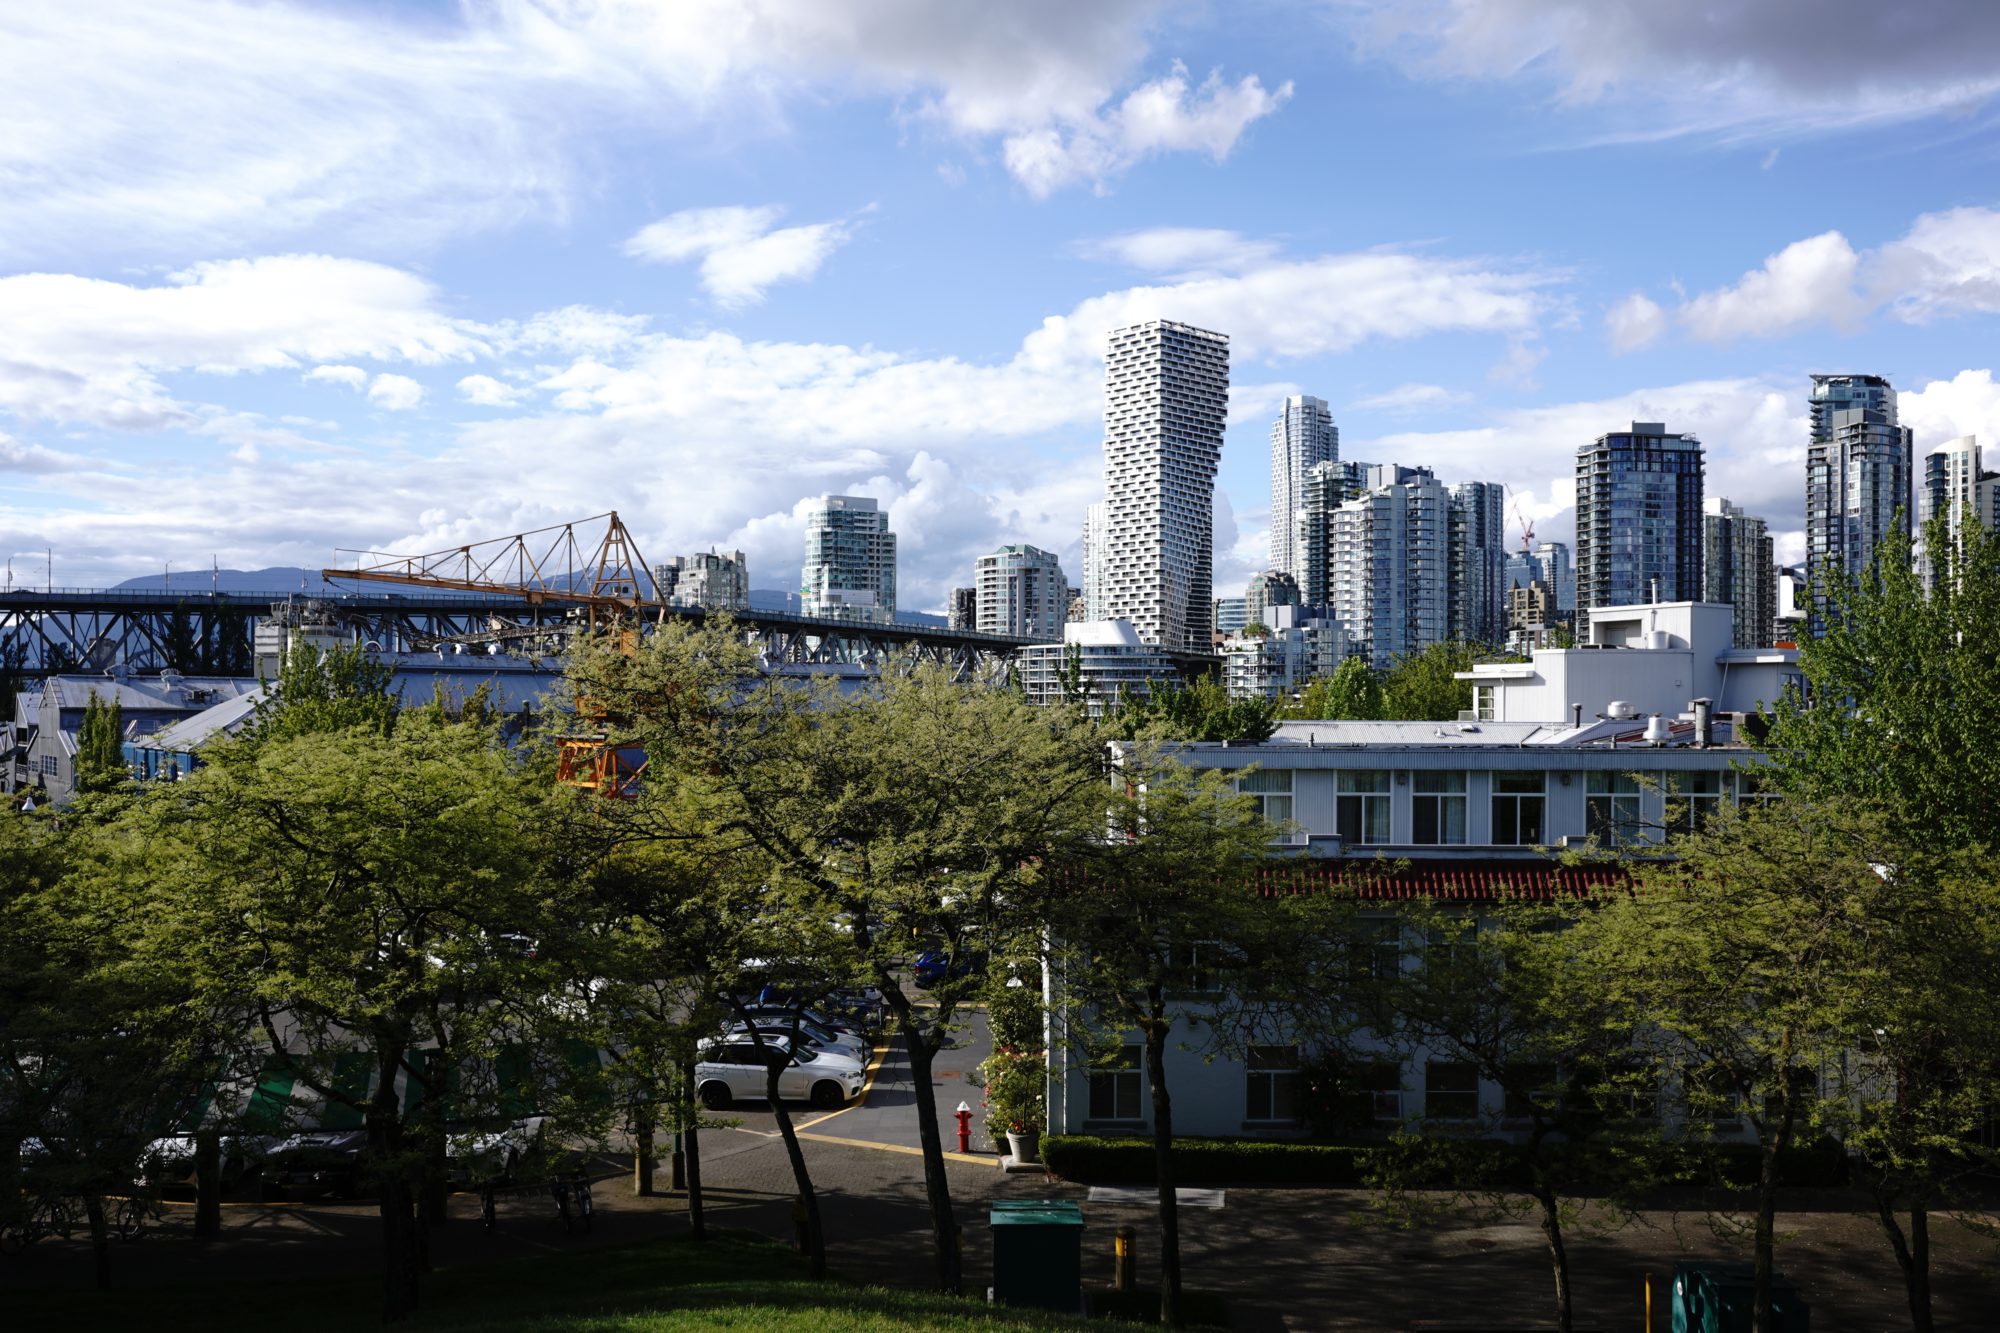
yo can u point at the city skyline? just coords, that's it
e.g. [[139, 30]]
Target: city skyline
[[413, 282]]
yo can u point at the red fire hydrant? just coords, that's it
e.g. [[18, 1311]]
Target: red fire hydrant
[[964, 1127]]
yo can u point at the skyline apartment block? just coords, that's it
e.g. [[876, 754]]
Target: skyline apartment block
[[1326, 487], [1477, 565], [1272, 587], [1388, 565], [963, 611], [1858, 476], [710, 579], [1095, 541], [1952, 482], [1302, 437], [850, 568], [1638, 518], [1021, 591], [1166, 398], [1738, 566]]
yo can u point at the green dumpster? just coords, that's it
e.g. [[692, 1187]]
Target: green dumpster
[[1715, 1298], [1038, 1253]]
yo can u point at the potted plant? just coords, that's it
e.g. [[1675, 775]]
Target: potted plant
[[1014, 1101]]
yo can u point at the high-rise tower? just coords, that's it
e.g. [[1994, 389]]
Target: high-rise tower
[[1858, 475], [1477, 562], [1737, 567], [1166, 397], [1951, 484], [1303, 435], [850, 569], [1638, 518], [1022, 591]]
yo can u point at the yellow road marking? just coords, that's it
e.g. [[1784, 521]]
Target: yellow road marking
[[861, 1099], [903, 1148]]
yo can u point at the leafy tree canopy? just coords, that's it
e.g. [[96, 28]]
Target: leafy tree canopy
[[1198, 711]]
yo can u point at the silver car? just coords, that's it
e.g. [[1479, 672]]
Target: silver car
[[849, 1044], [732, 1067]]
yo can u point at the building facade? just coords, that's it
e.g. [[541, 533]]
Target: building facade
[[1098, 662], [711, 580], [1231, 614], [1954, 485], [1295, 647], [1638, 518], [1559, 572], [850, 569], [1096, 545], [1272, 587], [1324, 489], [963, 612], [1166, 398], [1388, 569], [1022, 591], [1302, 437], [1477, 562], [1858, 477], [1738, 567]]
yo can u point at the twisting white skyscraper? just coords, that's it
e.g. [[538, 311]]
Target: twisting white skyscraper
[[1166, 396], [1303, 435]]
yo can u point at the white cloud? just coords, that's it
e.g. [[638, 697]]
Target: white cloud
[[1775, 68], [485, 391], [16, 456], [395, 393], [1159, 117], [1635, 322], [1182, 250], [1946, 264], [741, 255], [1808, 283], [91, 350], [1413, 398], [353, 377], [407, 125]]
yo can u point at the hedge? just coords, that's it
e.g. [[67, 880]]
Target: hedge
[[1129, 1161]]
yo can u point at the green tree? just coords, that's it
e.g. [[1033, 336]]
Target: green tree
[[918, 814], [1513, 996], [1164, 933], [1352, 693], [357, 897], [1199, 710], [325, 690], [100, 747], [1421, 686]]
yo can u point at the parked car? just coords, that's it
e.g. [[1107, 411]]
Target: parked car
[[736, 1067], [934, 966], [317, 1164], [493, 1156], [850, 1032], [781, 1024]]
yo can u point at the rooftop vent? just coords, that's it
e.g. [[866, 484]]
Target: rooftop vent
[[1621, 710], [1658, 732]]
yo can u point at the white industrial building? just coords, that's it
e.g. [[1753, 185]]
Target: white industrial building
[[850, 568], [1166, 398]]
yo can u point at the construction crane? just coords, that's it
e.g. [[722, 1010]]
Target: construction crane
[[549, 567], [1527, 524]]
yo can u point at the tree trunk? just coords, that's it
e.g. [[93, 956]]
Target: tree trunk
[[1767, 1215], [400, 1269], [691, 1149], [937, 1188], [815, 1236], [207, 1183], [1558, 1255], [644, 1162], [1163, 1164], [436, 1190], [100, 1240], [1913, 1253]]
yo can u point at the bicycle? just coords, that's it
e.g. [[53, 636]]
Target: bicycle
[[49, 1217], [131, 1216]]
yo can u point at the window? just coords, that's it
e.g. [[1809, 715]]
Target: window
[[1530, 1087], [1611, 806], [1377, 1092], [1361, 806], [1437, 808], [1447, 945], [1272, 790], [1693, 799], [1483, 699], [1272, 1089], [1753, 789], [1451, 1090], [1114, 1087], [1195, 964], [1518, 799], [1708, 1093], [1380, 948], [49, 766]]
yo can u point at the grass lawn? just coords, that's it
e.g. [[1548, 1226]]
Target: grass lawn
[[734, 1281]]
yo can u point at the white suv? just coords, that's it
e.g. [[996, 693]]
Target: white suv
[[733, 1067]]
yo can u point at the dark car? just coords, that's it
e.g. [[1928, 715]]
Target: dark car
[[934, 967], [317, 1164]]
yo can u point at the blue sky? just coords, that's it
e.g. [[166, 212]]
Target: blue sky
[[279, 278]]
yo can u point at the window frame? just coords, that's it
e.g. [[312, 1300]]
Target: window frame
[[1437, 803], [1265, 1077], [1458, 1110], [1110, 1079], [1367, 811], [1514, 801], [1605, 794]]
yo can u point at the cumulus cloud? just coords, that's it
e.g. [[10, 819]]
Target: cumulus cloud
[[353, 377], [17, 456], [288, 116], [485, 391], [1163, 116], [742, 255], [90, 350], [1778, 67], [395, 393], [1808, 283], [1413, 398], [1635, 322]]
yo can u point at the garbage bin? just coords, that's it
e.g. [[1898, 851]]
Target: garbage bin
[[1716, 1298], [1038, 1253]]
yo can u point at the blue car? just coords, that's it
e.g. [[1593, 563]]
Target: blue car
[[934, 967]]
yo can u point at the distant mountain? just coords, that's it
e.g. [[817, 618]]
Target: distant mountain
[[774, 599], [278, 578]]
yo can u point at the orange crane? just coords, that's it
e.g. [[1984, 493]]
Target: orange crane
[[548, 567]]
